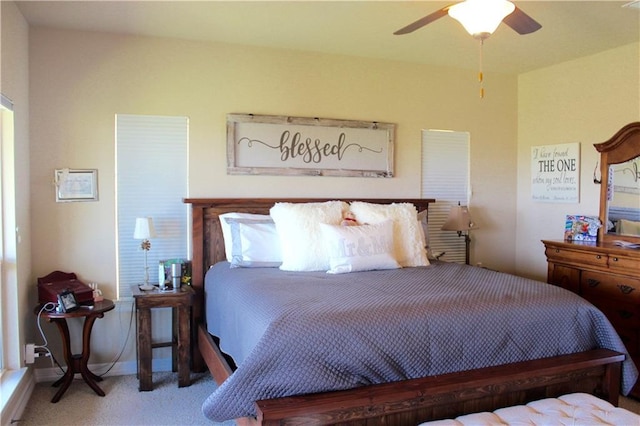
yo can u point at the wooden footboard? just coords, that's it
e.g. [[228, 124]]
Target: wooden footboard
[[413, 401], [410, 402]]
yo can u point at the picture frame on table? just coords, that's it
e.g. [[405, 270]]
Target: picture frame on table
[[67, 301]]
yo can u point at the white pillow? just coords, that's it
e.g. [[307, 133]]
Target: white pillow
[[226, 228], [255, 243], [407, 236], [298, 226], [359, 248]]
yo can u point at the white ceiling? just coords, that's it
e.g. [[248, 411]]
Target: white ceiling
[[570, 29]]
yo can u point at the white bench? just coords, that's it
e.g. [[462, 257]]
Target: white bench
[[570, 409]]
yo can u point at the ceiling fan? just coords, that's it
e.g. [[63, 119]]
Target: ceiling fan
[[480, 17]]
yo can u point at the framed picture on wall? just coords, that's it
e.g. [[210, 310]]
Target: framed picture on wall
[[286, 146], [76, 185]]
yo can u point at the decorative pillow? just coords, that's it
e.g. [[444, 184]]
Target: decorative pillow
[[298, 226], [409, 244], [255, 243], [226, 228], [628, 227], [359, 248]]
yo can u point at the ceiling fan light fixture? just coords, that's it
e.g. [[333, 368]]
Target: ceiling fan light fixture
[[481, 17]]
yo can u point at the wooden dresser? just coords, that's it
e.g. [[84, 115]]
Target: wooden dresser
[[606, 275]]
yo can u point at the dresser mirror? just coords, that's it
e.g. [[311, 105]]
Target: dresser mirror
[[620, 185]]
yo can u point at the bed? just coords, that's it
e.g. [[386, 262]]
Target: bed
[[594, 368]]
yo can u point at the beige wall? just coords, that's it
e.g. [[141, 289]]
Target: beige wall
[[80, 80], [586, 101], [14, 83]]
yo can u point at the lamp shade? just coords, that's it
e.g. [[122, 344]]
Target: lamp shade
[[144, 229], [459, 220], [481, 17]]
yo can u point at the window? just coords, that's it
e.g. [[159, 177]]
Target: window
[[151, 181], [9, 339], [445, 177]]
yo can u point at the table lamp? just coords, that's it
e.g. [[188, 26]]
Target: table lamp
[[460, 220], [145, 230]]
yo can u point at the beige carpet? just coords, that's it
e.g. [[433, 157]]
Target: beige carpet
[[123, 404], [629, 404]]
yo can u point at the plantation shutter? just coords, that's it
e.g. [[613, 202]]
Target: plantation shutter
[[445, 177], [151, 176]]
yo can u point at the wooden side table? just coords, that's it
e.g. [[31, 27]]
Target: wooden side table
[[77, 363], [180, 302]]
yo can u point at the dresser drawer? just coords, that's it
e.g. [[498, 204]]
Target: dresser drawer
[[624, 264], [621, 315], [596, 285], [574, 256]]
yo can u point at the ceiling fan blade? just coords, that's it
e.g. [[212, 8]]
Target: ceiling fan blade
[[423, 21], [521, 22]]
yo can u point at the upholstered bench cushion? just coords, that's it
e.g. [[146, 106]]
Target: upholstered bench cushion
[[570, 409]]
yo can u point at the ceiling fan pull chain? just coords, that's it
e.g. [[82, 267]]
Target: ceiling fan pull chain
[[480, 75]]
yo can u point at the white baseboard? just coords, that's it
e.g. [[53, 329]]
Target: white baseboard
[[16, 389], [106, 370]]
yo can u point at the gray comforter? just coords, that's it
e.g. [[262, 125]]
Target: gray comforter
[[303, 332]]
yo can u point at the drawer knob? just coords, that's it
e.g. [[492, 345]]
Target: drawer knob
[[615, 259], [625, 289], [592, 282], [598, 257], [557, 250]]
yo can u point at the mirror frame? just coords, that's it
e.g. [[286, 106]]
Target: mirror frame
[[622, 147]]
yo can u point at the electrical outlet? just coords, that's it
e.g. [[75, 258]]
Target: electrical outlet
[[29, 353]]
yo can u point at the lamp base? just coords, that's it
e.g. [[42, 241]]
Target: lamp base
[[146, 287], [467, 240]]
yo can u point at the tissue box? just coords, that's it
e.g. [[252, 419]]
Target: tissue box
[[581, 228]]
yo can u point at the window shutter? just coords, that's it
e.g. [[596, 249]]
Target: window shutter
[[151, 175], [445, 177]]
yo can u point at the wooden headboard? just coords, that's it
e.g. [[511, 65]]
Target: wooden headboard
[[208, 243]]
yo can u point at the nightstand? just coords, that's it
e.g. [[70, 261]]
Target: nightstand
[[180, 303], [77, 363]]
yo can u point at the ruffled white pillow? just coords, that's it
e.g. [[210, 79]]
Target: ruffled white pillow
[[359, 248], [298, 226], [409, 244]]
